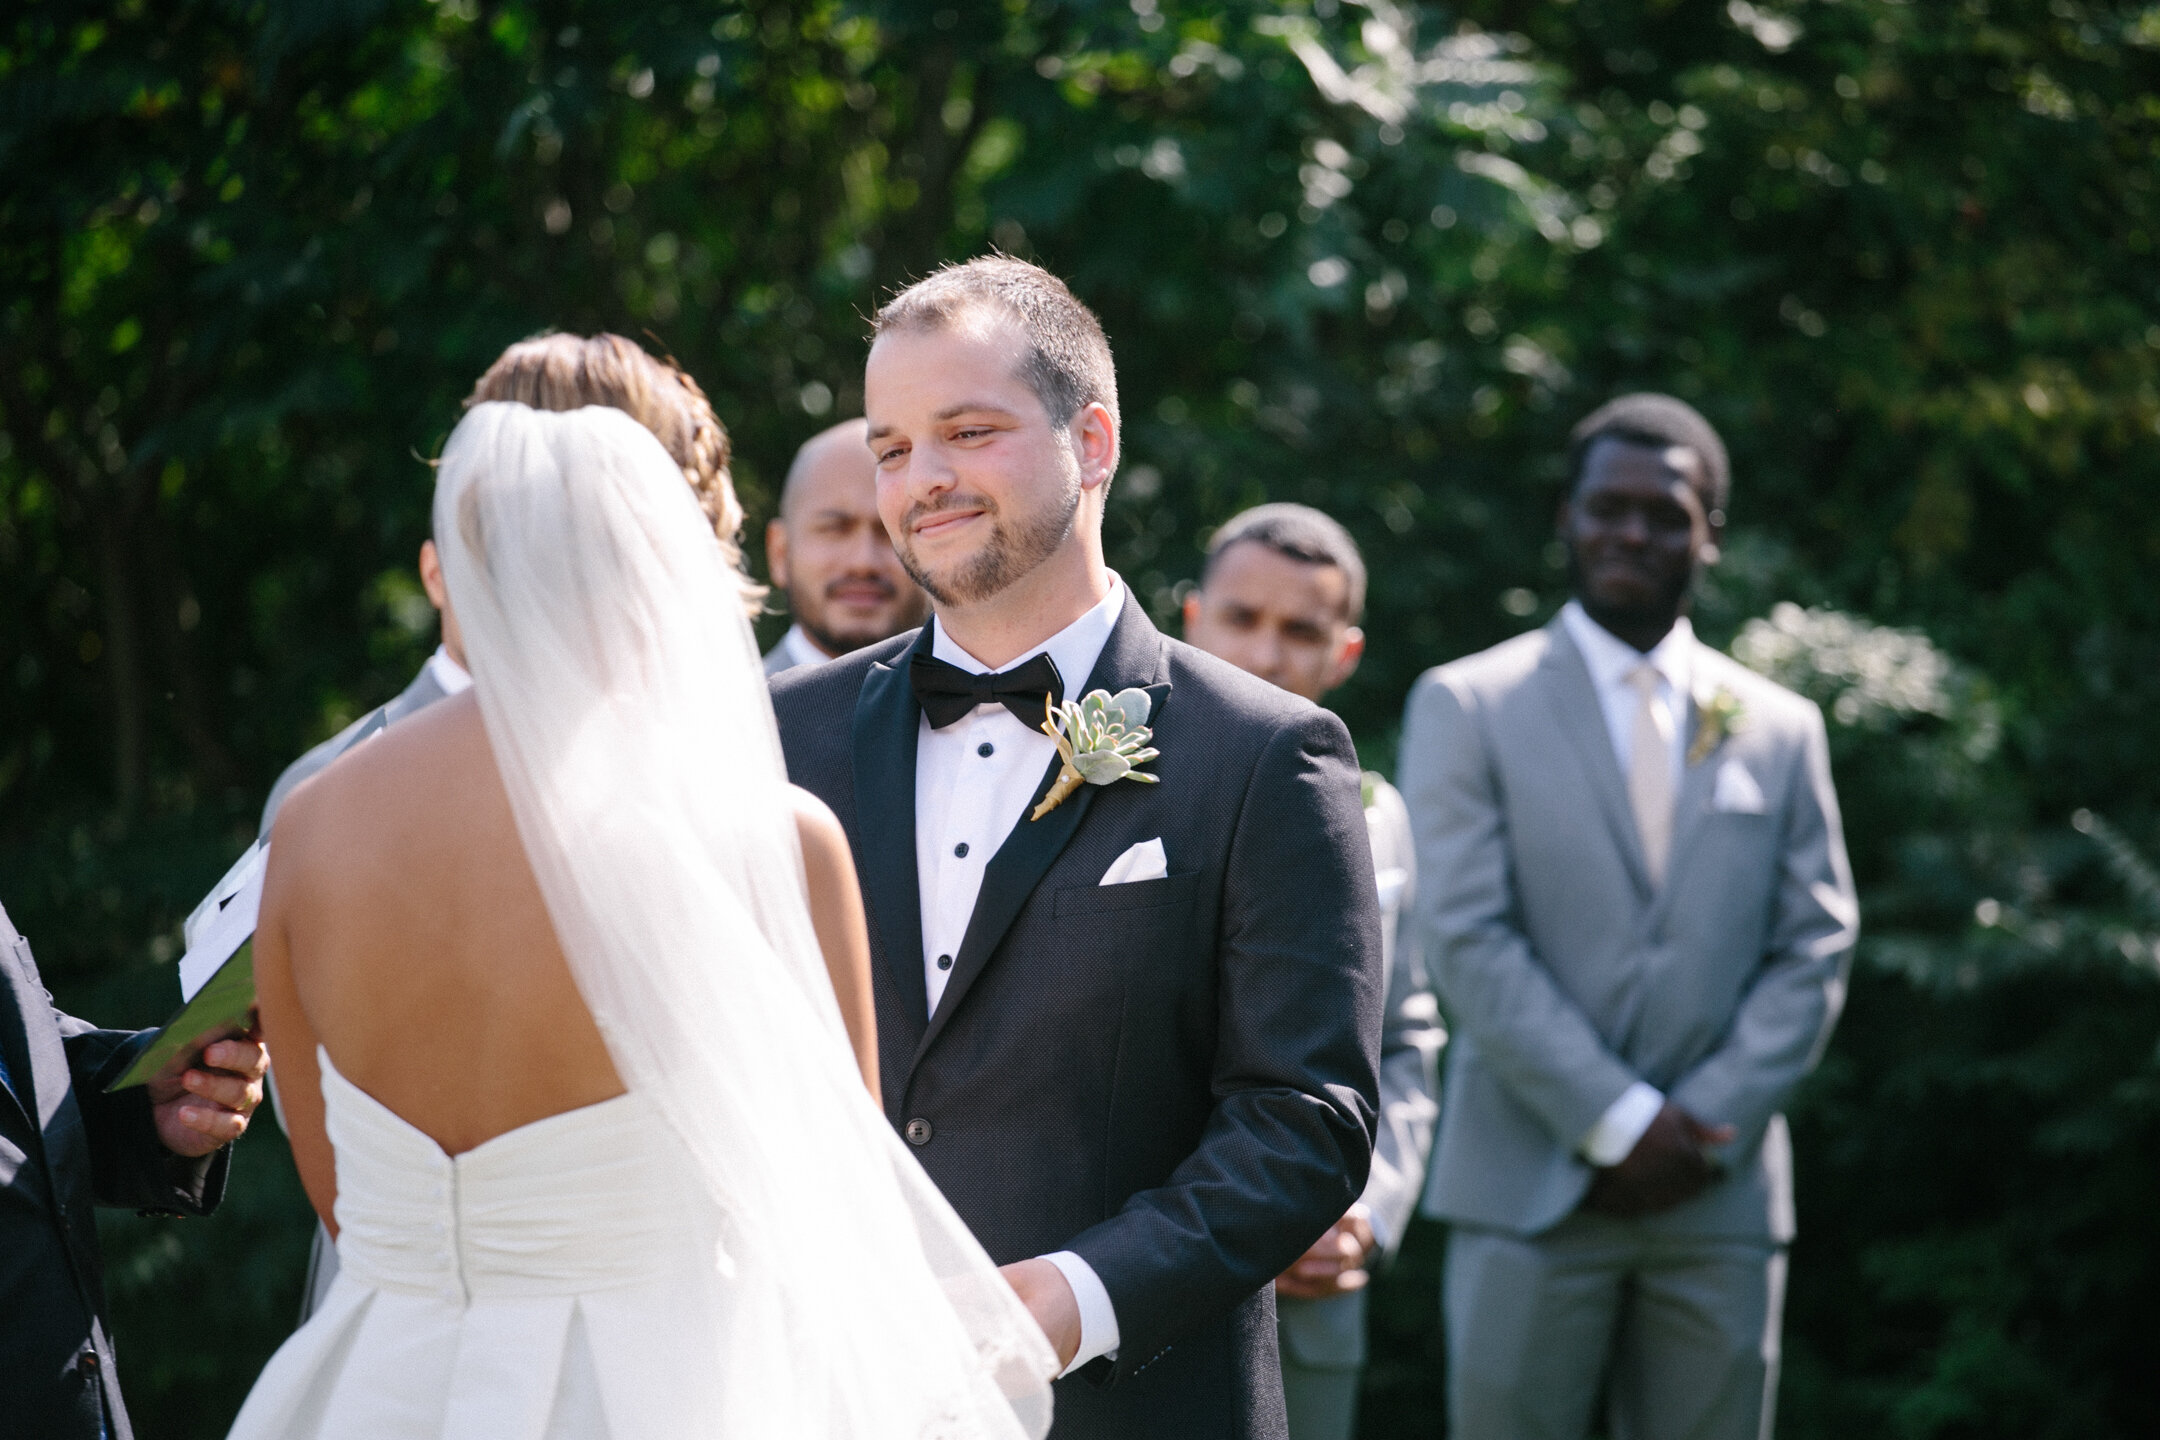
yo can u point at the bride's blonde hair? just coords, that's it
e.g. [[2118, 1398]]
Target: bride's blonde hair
[[568, 372]]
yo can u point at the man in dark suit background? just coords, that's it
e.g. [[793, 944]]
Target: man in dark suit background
[[67, 1146], [1132, 1035]]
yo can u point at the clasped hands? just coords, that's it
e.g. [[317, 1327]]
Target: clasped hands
[[206, 1105], [1670, 1164]]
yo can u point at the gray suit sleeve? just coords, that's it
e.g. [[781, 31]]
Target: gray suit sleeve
[[1496, 992], [1785, 1019], [1411, 1037]]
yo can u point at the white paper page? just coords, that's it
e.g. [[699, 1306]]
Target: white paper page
[[224, 921]]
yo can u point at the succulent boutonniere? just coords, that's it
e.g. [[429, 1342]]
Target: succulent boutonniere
[[1718, 715], [1103, 739]]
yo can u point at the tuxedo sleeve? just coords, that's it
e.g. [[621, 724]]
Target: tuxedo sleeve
[[1288, 1145], [129, 1165]]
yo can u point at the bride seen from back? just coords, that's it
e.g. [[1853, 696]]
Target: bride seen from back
[[570, 994]]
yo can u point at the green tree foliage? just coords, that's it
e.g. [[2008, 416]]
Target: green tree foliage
[[1372, 256]]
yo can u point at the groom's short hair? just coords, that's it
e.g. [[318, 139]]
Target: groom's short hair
[[1067, 364]]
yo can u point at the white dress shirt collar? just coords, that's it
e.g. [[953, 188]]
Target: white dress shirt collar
[[450, 677], [1612, 660], [800, 648], [1074, 650]]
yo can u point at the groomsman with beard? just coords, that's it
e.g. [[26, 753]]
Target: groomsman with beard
[[1280, 597], [1130, 1028], [828, 552], [1637, 911], [547, 372]]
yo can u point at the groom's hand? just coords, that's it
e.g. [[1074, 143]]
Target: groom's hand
[[1041, 1287]]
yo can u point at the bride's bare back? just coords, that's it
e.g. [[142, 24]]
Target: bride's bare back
[[402, 929], [402, 921]]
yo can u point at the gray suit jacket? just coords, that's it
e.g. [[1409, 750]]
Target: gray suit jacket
[[421, 693], [1330, 1333], [1567, 977]]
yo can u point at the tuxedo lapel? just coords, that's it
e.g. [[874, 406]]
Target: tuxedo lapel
[[1575, 705], [887, 721], [1132, 658]]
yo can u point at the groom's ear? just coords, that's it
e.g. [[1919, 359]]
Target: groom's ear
[[1095, 438]]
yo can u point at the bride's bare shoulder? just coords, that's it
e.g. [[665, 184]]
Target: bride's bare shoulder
[[433, 754], [824, 842]]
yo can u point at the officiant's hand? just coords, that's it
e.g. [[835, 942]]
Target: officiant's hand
[[1670, 1164], [1041, 1287], [1335, 1265], [207, 1105]]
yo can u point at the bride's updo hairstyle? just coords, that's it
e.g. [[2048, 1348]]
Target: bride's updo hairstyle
[[569, 372]]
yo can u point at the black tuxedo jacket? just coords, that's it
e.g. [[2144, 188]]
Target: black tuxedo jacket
[[1175, 1079], [66, 1146]]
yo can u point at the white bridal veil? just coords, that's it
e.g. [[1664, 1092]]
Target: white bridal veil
[[622, 695]]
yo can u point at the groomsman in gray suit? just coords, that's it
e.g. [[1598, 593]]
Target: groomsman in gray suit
[[1280, 597], [828, 552], [1636, 909]]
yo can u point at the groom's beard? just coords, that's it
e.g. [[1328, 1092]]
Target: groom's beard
[[1012, 550]]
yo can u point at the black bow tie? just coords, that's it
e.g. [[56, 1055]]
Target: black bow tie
[[947, 693]]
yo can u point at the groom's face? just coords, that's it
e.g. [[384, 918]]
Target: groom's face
[[977, 484]]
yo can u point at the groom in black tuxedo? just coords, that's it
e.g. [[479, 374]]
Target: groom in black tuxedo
[[1133, 1040]]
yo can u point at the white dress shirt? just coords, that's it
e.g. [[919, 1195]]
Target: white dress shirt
[[451, 677], [800, 648], [1611, 661], [974, 780]]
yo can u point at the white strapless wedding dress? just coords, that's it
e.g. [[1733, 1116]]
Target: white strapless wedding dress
[[558, 1281]]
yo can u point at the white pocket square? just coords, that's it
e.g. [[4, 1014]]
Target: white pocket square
[[1737, 793], [1145, 861]]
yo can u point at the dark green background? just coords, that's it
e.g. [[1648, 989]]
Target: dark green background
[[1378, 258]]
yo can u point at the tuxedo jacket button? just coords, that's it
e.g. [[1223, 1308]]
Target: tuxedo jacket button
[[917, 1132]]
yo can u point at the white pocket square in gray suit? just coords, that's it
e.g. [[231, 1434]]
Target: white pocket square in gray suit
[[1736, 792], [1144, 861]]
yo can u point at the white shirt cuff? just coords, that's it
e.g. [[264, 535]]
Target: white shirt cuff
[[1098, 1319], [1613, 1138]]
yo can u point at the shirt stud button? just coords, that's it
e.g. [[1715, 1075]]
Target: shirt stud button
[[960, 850], [944, 962], [986, 749]]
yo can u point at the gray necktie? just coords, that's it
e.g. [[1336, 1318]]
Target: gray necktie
[[1649, 779]]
